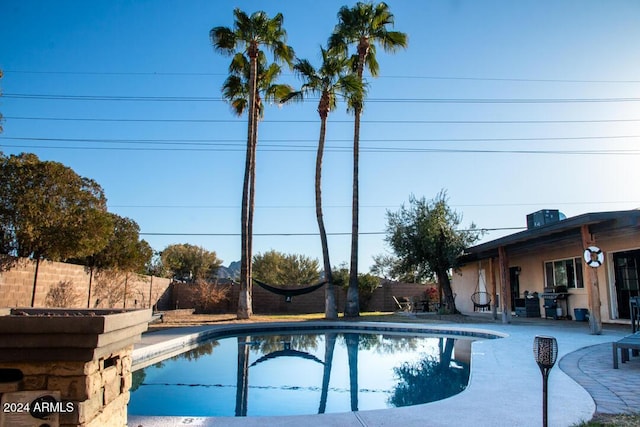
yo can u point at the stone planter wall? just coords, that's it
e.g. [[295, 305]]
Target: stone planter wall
[[86, 358]]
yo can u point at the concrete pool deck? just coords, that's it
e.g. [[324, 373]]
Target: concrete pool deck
[[505, 386]]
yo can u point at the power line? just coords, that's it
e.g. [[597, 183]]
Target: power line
[[157, 206], [367, 233], [369, 100], [270, 142], [94, 119], [340, 150], [412, 77]]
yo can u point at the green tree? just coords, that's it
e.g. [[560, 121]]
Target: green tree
[[125, 252], [47, 211], [248, 35], [329, 81], [365, 25], [277, 268], [388, 266], [190, 263], [426, 239]]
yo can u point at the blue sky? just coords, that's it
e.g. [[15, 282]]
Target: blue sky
[[170, 155]]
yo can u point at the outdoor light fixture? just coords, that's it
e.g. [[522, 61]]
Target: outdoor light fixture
[[545, 351]]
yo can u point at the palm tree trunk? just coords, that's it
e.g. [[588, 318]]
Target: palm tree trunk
[[329, 346], [252, 205], [330, 308], [353, 305], [244, 298], [242, 377], [352, 341]]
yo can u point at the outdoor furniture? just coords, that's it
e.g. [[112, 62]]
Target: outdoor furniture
[[630, 342], [404, 303], [419, 304], [481, 301], [634, 309]]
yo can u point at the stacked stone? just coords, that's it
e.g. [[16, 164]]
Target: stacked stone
[[93, 380]]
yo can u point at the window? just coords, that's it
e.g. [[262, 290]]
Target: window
[[564, 272]]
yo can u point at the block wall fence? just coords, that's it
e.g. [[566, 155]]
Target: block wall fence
[[16, 286], [265, 302]]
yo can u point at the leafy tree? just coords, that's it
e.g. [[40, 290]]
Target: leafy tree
[[47, 211], [365, 25], [389, 267], [189, 263], [155, 267], [285, 269], [124, 252], [329, 81], [426, 239], [248, 35]]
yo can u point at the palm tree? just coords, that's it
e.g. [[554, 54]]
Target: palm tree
[[248, 35], [364, 25], [329, 81]]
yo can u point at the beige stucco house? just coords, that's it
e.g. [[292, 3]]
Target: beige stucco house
[[549, 258]]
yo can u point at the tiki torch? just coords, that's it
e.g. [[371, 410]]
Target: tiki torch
[[545, 351]]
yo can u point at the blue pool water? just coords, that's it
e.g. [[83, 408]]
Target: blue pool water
[[308, 373]]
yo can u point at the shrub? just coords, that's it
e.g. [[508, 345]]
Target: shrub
[[63, 295]]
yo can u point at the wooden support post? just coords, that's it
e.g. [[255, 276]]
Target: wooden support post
[[590, 276], [505, 300], [492, 275]]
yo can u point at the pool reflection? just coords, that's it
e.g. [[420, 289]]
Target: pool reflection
[[285, 374]]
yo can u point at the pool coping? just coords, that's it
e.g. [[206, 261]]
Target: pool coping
[[504, 385]]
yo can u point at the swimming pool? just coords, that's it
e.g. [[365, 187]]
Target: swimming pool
[[289, 373]]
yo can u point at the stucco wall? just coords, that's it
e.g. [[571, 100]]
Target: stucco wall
[[532, 277]]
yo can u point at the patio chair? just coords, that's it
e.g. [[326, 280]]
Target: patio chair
[[481, 301], [404, 304]]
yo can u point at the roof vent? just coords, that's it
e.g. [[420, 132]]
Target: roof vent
[[544, 217]]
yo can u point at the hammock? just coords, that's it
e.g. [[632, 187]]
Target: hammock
[[289, 293], [288, 353]]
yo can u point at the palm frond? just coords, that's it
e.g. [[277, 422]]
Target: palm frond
[[223, 40], [239, 65], [372, 61]]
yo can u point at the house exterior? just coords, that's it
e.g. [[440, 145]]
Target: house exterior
[[549, 258]]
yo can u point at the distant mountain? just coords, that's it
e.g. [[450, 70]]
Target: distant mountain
[[230, 272]]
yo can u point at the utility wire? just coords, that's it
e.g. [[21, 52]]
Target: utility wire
[[369, 100], [341, 150], [270, 142], [368, 233], [237, 121], [159, 206], [412, 77]]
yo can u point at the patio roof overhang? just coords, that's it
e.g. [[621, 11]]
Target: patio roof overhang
[[561, 231]]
